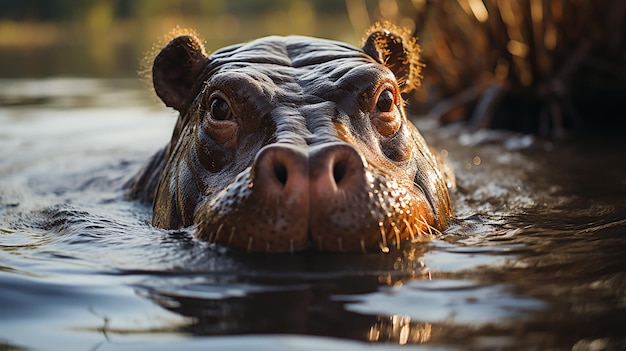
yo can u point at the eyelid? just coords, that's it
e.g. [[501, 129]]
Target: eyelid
[[221, 131], [386, 84], [387, 123], [215, 94], [218, 93]]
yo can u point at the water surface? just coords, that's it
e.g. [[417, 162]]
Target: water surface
[[534, 260]]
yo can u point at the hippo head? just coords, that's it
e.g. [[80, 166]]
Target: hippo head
[[292, 143]]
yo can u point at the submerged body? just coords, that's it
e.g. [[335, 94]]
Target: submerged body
[[289, 143]]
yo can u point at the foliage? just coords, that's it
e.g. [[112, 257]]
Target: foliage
[[67, 10]]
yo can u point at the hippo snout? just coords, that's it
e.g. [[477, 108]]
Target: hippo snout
[[311, 194], [327, 199], [281, 172]]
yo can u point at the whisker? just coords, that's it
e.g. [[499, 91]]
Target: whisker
[[340, 243], [210, 237], [383, 248], [420, 232], [210, 240], [250, 240], [397, 233], [383, 244], [382, 234], [217, 233], [430, 231], [201, 222], [363, 245], [232, 235], [439, 233], [419, 187], [408, 226]]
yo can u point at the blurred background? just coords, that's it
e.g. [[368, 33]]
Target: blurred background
[[537, 66], [107, 38]]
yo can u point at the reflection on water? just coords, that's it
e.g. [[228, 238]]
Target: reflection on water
[[534, 260], [397, 329]]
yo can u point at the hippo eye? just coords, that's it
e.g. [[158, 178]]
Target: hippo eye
[[386, 116], [220, 110], [385, 101]]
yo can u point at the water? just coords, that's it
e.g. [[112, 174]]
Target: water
[[535, 259]]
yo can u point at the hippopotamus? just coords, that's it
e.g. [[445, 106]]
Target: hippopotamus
[[287, 144]]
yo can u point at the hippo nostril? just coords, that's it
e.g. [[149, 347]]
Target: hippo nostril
[[279, 169], [336, 167], [280, 172], [339, 170]]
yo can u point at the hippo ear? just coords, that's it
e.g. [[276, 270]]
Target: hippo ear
[[176, 69], [396, 49]]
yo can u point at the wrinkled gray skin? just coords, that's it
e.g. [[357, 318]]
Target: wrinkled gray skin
[[292, 143]]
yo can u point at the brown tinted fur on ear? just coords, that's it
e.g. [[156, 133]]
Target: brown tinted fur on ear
[[411, 47], [145, 65], [144, 185]]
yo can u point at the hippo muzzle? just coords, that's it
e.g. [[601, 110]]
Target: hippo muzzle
[[292, 143]]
